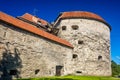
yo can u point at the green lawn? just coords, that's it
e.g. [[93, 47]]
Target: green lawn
[[73, 78]]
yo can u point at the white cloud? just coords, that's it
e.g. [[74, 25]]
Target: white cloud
[[118, 57]]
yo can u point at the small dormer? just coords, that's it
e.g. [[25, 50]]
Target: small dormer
[[37, 22]]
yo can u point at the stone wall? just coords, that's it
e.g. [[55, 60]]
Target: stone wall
[[91, 42], [24, 54]]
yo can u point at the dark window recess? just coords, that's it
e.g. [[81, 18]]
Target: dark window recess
[[63, 27], [36, 71], [78, 71], [39, 22], [13, 72], [75, 27], [58, 70], [75, 55], [99, 57], [80, 42], [4, 34]]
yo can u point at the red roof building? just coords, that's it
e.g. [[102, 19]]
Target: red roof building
[[32, 18], [31, 28]]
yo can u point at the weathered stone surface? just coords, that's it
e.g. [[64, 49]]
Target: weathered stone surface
[[96, 42], [34, 56], [27, 52]]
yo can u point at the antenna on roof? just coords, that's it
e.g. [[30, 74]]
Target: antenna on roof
[[35, 12]]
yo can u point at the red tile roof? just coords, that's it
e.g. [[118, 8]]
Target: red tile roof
[[81, 14], [34, 19], [28, 27], [77, 14]]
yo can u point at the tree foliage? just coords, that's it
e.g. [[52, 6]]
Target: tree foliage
[[115, 68]]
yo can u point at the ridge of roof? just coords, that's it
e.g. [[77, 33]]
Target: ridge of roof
[[28, 27]]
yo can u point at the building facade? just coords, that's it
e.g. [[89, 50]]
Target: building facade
[[77, 43], [90, 37]]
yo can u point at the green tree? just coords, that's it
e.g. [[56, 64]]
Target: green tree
[[115, 68]]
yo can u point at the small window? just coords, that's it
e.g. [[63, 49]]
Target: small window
[[79, 72], [36, 71], [75, 27], [75, 55], [99, 57], [39, 22], [13, 72], [63, 27], [80, 42], [59, 70]]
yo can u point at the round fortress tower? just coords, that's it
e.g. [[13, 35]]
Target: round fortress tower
[[90, 36]]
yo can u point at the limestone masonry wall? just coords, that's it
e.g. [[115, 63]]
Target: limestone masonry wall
[[81, 47], [91, 42], [31, 55]]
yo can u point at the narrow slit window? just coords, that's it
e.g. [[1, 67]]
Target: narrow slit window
[[79, 72]]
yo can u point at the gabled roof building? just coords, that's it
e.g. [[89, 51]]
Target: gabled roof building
[[77, 43]]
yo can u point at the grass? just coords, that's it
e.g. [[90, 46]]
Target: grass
[[73, 78]]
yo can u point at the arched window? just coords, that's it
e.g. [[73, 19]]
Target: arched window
[[99, 57], [75, 27], [63, 27]]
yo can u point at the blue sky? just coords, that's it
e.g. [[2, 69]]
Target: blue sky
[[49, 10]]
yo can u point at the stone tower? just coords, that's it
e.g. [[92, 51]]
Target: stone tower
[[90, 36]]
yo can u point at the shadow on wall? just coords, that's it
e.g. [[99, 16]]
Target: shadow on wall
[[10, 64]]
